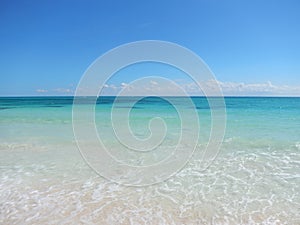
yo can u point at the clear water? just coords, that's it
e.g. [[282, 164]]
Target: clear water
[[254, 180]]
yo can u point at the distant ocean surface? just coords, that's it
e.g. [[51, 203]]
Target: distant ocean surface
[[254, 180]]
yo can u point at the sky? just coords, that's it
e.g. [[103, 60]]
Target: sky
[[252, 46]]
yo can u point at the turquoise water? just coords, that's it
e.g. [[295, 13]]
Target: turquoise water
[[254, 180]]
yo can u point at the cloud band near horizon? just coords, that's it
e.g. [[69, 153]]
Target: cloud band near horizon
[[228, 89]]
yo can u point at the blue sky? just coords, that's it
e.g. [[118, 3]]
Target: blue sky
[[45, 46]]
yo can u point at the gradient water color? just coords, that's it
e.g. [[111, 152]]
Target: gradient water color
[[254, 180]]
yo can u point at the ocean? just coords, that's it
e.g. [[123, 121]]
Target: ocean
[[255, 178]]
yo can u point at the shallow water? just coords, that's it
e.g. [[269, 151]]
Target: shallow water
[[254, 180]]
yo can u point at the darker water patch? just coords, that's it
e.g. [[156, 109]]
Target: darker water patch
[[128, 107], [201, 107], [53, 106], [2, 108]]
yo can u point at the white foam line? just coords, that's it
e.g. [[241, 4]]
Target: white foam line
[[166, 196]]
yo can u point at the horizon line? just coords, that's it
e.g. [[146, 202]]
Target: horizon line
[[225, 96]]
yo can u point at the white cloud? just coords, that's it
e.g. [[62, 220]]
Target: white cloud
[[228, 88], [145, 86], [41, 90], [63, 90], [123, 85], [267, 88], [153, 82], [156, 87]]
